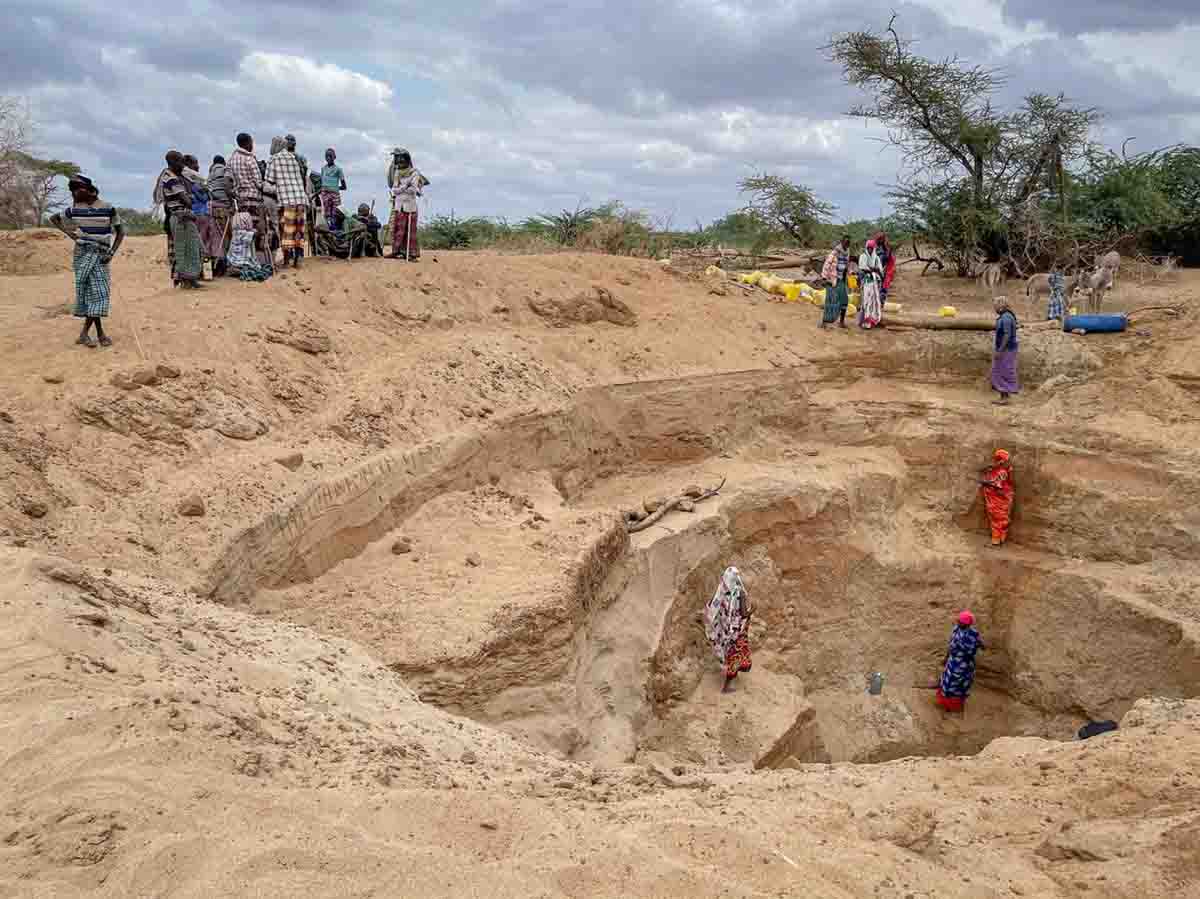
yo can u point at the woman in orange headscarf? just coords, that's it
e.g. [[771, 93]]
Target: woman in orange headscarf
[[997, 488]]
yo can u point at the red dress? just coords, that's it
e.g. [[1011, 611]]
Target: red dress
[[998, 492]]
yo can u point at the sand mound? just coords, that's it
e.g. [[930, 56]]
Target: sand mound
[[34, 252], [320, 585]]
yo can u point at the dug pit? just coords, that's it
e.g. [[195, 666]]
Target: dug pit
[[521, 601]]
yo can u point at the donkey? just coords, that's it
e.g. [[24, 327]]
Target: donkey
[[1094, 285]]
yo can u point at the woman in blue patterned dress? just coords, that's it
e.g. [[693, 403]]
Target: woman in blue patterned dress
[[958, 672]]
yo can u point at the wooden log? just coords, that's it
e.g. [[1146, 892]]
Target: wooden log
[[634, 526], [810, 262], [939, 323]]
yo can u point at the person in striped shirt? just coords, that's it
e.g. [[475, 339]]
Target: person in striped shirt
[[98, 233]]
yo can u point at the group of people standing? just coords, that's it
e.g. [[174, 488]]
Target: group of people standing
[[246, 209], [875, 269], [728, 614]]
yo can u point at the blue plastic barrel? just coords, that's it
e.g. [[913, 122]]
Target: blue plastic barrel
[[1098, 322]]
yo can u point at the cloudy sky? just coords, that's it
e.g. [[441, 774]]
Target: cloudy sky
[[514, 107]]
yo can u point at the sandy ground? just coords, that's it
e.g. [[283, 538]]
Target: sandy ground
[[273, 696]]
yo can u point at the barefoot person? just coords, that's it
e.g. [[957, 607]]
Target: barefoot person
[[996, 485], [99, 236], [407, 184], [727, 625], [958, 670], [1004, 362]]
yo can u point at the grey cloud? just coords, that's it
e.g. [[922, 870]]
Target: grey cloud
[[205, 52], [1074, 17], [579, 86]]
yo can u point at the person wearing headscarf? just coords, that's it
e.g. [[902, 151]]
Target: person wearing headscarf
[[887, 262], [837, 291], [211, 237], [1004, 361], [870, 276], [406, 184], [243, 257], [183, 238], [1056, 308], [99, 236], [958, 669], [287, 175], [996, 485], [727, 625]]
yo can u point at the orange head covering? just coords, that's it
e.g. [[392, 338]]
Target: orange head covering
[[1000, 455]]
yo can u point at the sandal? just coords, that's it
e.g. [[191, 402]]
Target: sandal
[[88, 342], [105, 340]]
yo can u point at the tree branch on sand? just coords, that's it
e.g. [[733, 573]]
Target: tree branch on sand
[[689, 497]]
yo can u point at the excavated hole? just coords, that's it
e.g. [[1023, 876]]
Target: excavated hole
[[858, 556]]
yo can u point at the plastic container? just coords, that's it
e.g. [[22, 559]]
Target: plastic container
[[792, 292], [852, 309], [852, 280], [948, 311], [1098, 323], [894, 308], [714, 271]]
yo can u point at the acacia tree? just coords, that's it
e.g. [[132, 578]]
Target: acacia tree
[[783, 205], [14, 136], [44, 183], [984, 167]]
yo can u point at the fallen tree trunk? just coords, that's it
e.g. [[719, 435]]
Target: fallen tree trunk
[[938, 323], [954, 323], [809, 262], [634, 526]]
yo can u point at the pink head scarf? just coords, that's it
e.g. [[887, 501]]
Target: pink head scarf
[[965, 618]]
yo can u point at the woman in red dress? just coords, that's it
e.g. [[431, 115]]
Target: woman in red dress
[[997, 488]]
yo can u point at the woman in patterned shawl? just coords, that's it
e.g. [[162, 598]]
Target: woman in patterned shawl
[[1056, 308], [870, 273], [837, 291], [997, 487], [407, 185], [958, 671], [727, 625]]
